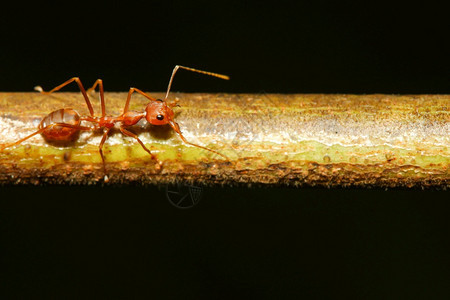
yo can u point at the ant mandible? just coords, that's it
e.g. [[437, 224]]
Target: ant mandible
[[63, 125]]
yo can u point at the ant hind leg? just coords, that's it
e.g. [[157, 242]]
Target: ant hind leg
[[100, 150], [80, 85], [2, 147]]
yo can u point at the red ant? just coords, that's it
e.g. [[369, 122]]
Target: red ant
[[63, 125]]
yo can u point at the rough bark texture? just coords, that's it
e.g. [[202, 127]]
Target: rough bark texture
[[271, 139]]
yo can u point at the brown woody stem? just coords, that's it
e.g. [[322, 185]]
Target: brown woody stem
[[271, 139]]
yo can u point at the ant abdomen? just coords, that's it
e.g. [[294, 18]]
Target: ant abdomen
[[58, 132]]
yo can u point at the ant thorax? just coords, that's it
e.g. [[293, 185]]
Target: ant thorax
[[131, 118]]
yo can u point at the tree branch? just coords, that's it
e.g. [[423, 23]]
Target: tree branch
[[271, 139]]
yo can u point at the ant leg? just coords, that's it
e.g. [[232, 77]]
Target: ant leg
[[42, 130], [24, 139], [100, 149], [130, 134], [175, 127], [80, 85], [192, 70], [131, 91], [96, 83], [99, 83]]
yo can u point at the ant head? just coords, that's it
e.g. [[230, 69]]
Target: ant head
[[159, 112]]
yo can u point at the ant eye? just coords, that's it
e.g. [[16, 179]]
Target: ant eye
[[160, 117]]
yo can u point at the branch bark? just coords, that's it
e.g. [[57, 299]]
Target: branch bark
[[271, 139]]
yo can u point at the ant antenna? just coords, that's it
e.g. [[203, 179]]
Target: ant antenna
[[193, 70]]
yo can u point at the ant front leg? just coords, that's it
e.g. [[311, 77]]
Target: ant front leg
[[130, 92], [80, 85], [176, 127], [130, 134]]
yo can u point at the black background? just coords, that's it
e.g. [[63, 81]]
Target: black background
[[129, 242]]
